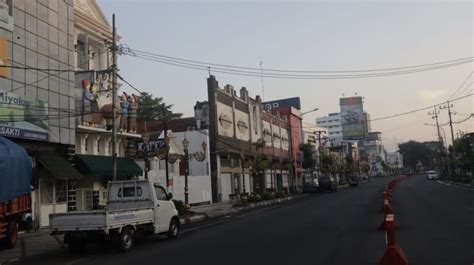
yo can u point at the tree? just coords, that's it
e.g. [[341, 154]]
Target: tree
[[153, 109], [464, 153], [425, 152]]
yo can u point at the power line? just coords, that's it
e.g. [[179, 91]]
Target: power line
[[291, 76], [49, 75], [130, 85], [465, 80], [407, 112], [294, 71]]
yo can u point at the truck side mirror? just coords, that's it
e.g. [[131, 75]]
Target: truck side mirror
[[170, 196]]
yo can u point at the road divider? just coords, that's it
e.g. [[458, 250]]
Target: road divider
[[393, 254]]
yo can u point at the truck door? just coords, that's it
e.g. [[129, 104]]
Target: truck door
[[163, 209]]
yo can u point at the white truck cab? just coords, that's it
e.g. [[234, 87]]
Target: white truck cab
[[133, 207]]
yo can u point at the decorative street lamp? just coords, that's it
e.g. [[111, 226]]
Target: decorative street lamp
[[198, 156], [145, 139]]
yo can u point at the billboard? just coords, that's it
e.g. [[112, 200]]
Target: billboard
[[352, 118], [23, 117], [287, 102]]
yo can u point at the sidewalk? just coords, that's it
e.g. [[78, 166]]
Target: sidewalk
[[38, 242], [449, 183], [32, 243]]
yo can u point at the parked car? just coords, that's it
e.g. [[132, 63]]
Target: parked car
[[327, 184], [354, 180], [432, 175], [134, 206], [311, 186]]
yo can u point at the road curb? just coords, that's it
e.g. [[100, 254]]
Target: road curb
[[450, 183], [202, 217]]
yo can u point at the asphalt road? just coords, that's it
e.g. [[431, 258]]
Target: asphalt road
[[436, 222], [436, 227]]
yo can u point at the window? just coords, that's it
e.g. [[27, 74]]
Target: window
[[81, 55], [161, 193], [99, 142], [129, 192], [86, 144], [162, 165], [61, 191]]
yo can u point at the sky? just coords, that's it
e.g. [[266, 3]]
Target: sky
[[308, 35]]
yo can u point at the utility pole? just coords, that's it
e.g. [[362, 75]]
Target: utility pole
[[114, 99], [319, 152], [448, 106], [435, 116]]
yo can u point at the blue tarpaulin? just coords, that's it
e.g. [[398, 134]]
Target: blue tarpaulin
[[15, 170]]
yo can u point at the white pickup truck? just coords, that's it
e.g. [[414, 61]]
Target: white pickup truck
[[136, 206]]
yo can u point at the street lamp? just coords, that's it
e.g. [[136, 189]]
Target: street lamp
[[145, 139], [198, 156], [309, 111]]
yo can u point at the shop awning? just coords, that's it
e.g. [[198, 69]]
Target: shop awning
[[101, 166], [58, 166]]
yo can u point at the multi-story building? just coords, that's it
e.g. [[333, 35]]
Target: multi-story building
[[92, 36], [395, 160], [37, 96], [293, 116], [332, 123], [249, 147]]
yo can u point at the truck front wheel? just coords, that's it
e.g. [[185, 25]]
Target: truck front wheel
[[126, 239], [174, 228], [12, 234]]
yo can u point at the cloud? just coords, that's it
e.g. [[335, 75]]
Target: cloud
[[429, 94]]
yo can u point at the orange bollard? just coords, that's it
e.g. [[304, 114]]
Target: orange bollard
[[388, 196], [393, 254], [386, 208], [383, 224]]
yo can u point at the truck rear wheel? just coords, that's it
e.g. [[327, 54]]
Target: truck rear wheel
[[126, 239], [12, 234]]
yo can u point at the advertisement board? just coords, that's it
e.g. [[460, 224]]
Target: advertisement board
[[23, 117], [352, 118], [287, 102], [6, 17]]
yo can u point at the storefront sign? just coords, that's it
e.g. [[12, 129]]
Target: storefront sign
[[6, 18], [23, 117]]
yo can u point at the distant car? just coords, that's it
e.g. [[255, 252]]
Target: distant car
[[327, 184], [354, 181], [432, 175]]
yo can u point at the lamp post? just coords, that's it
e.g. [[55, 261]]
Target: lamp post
[[186, 161], [146, 138], [198, 156]]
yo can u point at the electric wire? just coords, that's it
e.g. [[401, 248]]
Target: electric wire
[[129, 50], [293, 76]]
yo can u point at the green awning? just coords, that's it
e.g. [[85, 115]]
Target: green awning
[[101, 166], [58, 166]]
